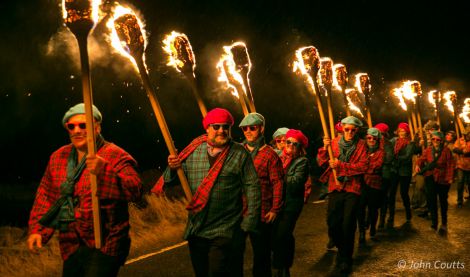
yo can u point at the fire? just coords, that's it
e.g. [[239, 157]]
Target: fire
[[408, 92], [307, 64], [73, 10], [434, 95], [399, 94], [340, 76], [363, 83], [229, 72], [326, 71], [180, 53], [352, 96], [465, 115], [121, 45], [449, 97]]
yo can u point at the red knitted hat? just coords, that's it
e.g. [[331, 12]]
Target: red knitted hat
[[404, 126], [383, 128], [217, 115], [339, 127], [299, 136]]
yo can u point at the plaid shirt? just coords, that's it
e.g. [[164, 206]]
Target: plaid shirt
[[271, 177], [354, 169], [223, 211], [463, 160], [373, 175], [443, 173], [118, 183]]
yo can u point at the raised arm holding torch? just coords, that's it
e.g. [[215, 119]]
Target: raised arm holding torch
[[181, 57], [80, 18], [340, 79], [127, 28], [363, 86], [326, 76]]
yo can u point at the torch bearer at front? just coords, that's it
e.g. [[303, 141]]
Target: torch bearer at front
[[127, 27], [307, 64], [363, 85], [181, 57], [80, 18], [326, 77]]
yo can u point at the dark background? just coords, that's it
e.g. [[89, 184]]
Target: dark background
[[40, 76]]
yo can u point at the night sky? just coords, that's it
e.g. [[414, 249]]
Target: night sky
[[40, 74]]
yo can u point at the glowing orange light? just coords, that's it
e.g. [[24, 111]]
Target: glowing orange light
[[449, 97], [228, 71], [179, 50], [351, 95], [465, 115]]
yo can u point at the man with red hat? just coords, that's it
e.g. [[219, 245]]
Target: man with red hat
[[218, 170], [350, 162]]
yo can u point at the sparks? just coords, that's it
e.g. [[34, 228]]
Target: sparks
[[228, 71], [352, 96], [180, 53], [465, 115], [122, 46], [449, 97]]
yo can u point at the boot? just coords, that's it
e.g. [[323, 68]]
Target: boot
[[362, 238]]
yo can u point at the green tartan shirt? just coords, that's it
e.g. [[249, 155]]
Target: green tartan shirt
[[223, 212]]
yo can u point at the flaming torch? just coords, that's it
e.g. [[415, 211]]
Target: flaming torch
[[450, 98], [340, 80], [398, 92], [351, 98], [416, 89], [229, 73], [80, 17], [465, 115], [181, 57], [326, 75], [434, 97], [126, 26], [307, 64], [243, 66], [363, 86]]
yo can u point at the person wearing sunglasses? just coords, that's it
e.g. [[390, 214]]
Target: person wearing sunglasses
[[219, 172], [271, 179], [437, 166], [296, 169], [403, 149], [371, 194], [462, 150], [350, 161], [279, 139], [63, 200]]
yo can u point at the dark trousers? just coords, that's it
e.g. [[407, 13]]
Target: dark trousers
[[91, 262], [261, 245], [463, 178], [434, 190], [283, 239], [384, 192], [404, 182], [369, 200], [213, 257], [342, 212]]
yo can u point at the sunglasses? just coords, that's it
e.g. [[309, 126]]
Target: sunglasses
[[71, 126], [371, 138], [280, 141], [436, 139], [347, 130], [216, 127], [295, 144], [252, 128]]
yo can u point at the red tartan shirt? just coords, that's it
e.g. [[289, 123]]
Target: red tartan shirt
[[268, 166], [373, 175], [354, 169], [118, 183], [443, 173]]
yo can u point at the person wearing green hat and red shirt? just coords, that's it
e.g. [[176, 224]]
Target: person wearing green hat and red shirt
[[350, 162], [63, 200], [296, 169], [437, 166], [371, 193], [271, 179], [279, 139], [219, 172]]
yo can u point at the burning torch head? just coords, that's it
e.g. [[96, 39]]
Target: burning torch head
[[364, 83], [79, 16], [128, 31], [326, 72], [311, 61], [341, 75], [416, 88], [241, 58]]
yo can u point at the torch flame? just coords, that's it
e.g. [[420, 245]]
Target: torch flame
[[399, 94], [408, 92], [432, 95], [363, 83], [449, 97], [307, 64], [340, 76], [73, 10], [131, 35], [228, 71], [180, 53], [326, 71], [465, 115], [351, 95]]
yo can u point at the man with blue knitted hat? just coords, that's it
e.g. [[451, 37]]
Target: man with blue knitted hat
[[350, 161], [271, 178], [63, 200]]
